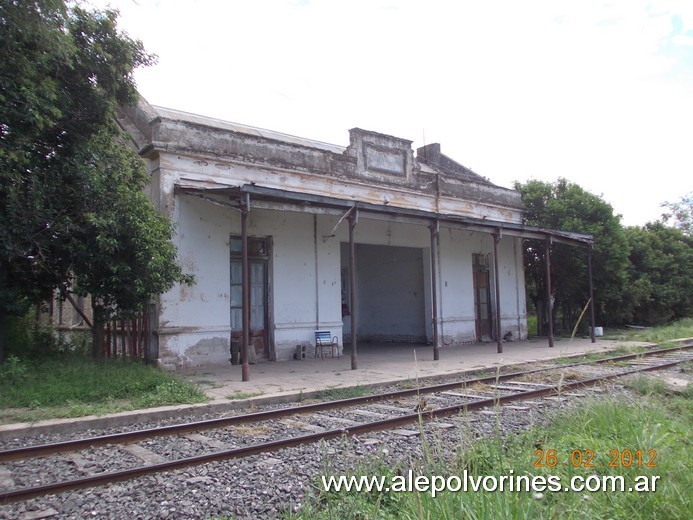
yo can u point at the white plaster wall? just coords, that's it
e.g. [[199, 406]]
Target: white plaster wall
[[194, 323], [204, 232], [511, 278], [305, 280], [329, 276], [456, 309], [456, 290], [381, 232]]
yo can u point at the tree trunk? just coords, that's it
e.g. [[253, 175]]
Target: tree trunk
[[2, 334], [97, 339], [97, 332]]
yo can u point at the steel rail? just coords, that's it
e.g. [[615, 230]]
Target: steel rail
[[27, 452], [235, 453]]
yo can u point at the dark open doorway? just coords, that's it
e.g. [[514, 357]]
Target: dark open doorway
[[391, 295]]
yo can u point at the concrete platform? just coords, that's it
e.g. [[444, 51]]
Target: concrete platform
[[285, 381], [377, 364]]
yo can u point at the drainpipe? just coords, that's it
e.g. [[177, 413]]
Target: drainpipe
[[434, 288], [589, 273], [245, 208], [353, 220], [549, 302], [496, 240]]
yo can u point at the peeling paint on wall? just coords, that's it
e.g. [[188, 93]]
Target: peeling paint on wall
[[304, 271]]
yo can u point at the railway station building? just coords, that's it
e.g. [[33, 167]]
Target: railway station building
[[372, 241]]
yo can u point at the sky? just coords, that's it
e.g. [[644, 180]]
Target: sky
[[596, 92]]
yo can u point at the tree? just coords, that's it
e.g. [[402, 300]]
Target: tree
[[680, 214], [121, 248], [566, 206], [73, 214], [660, 274]]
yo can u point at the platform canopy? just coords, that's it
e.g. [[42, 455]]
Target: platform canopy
[[271, 198]]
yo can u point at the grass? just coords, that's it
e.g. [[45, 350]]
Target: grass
[[624, 350], [591, 356], [653, 386], [663, 335], [678, 329], [620, 350], [647, 385], [240, 395], [656, 421], [335, 394], [74, 386]]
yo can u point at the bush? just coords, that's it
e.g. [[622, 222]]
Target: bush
[[26, 338], [532, 325], [13, 370]]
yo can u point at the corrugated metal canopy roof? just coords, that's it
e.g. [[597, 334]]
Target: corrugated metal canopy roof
[[426, 217]]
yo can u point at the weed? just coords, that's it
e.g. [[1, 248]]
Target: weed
[[13, 370], [336, 394], [592, 356], [647, 385], [538, 377], [168, 393], [239, 395], [408, 384], [678, 329], [603, 427], [480, 387], [71, 386], [624, 350]]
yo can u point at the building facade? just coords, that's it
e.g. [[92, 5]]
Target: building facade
[[404, 247]]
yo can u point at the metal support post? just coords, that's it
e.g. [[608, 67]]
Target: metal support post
[[353, 220], [496, 274], [434, 289], [245, 208], [549, 297], [589, 274]]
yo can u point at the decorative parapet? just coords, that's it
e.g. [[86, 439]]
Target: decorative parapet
[[374, 168], [381, 157]]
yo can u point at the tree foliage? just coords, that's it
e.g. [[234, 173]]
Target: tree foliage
[[660, 274], [121, 247], [680, 214], [73, 214], [566, 206]]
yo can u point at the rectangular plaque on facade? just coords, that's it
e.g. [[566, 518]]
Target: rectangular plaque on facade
[[385, 160]]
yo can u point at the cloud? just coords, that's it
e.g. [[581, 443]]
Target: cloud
[[598, 92]]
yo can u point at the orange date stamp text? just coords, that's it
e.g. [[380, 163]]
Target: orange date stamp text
[[587, 458]]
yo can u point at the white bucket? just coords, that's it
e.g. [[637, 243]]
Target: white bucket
[[598, 331]]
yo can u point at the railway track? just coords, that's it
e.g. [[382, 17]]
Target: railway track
[[143, 452]]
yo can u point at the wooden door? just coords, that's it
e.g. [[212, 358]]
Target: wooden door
[[258, 267], [482, 304]]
